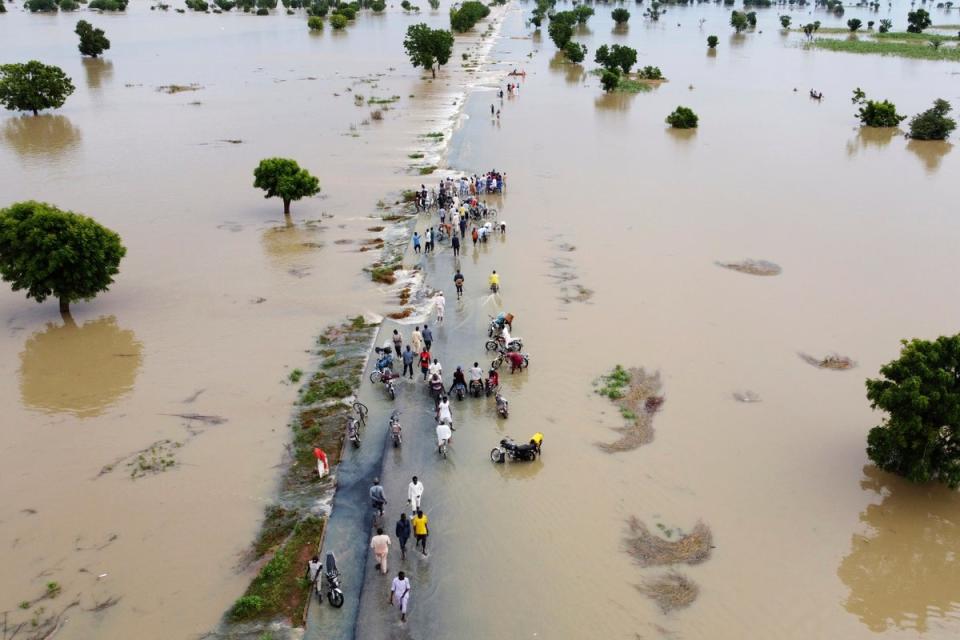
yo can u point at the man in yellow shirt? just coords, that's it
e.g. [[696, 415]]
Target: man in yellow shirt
[[420, 531]]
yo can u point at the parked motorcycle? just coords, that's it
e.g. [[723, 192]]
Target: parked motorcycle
[[331, 582], [353, 432], [515, 344], [387, 379], [396, 429], [503, 407], [502, 358], [510, 449], [383, 366]]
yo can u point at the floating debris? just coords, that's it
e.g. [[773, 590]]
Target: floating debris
[[753, 267], [637, 394], [746, 396], [198, 417], [832, 361], [649, 549], [179, 88], [671, 591]]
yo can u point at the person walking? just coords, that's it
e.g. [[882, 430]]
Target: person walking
[[441, 303], [416, 242], [475, 235], [313, 569], [425, 363], [455, 243], [420, 531], [400, 594], [403, 534], [492, 109], [414, 495], [408, 356], [463, 226], [427, 337], [397, 343], [377, 499], [428, 240], [416, 340], [458, 280], [380, 544]]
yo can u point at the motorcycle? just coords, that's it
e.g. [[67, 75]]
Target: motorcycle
[[515, 344], [383, 367], [331, 582], [501, 358], [496, 324], [476, 388], [460, 391], [510, 449], [494, 287], [353, 432], [387, 378], [396, 429], [503, 407], [490, 389]]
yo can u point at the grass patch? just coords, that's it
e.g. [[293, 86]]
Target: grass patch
[[906, 35], [435, 135], [415, 156], [280, 589], [425, 171], [614, 384], [900, 48], [374, 100], [277, 525], [330, 363], [295, 375], [629, 85], [636, 394], [384, 273]]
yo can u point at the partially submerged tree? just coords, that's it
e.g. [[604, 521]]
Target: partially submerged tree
[[93, 42], [738, 20], [683, 118], [620, 15], [616, 57], [40, 6], [811, 28], [752, 19], [885, 25], [315, 23], [468, 14], [582, 13], [918, 20], [920, 392], [427, 47], [876, 113], [610, 79], [49, 252], [283, 178], [854, 24], [713, 41], [561, 28], [785, 21], [338, 21], [33, 86], [575, 52], [933, 124]]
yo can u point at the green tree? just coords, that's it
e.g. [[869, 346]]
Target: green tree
[[40, 6], [3, 8], [752, 18], [610, 79], [109, 5], [738, 21], [582, 13], [315, 23], [283, 178], [854, 23], [33, 86], [650, 73], [49, 252], [712, 41], [683, 118], [918, 20], [620, 15], [468, 14], [933, 124], [785, 21], [875, 113], [560, 32], [885, 25], [338, 21], [426, 46], [616, 57], [575, 52], [93, 42], [920, 392], [378, 6]]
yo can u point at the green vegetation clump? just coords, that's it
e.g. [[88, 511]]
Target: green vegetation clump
[[904, 49], [616, 57], [283, 178], [620, 15], [338, 21], [197, 5], [785, 21], [713, 41], [425, 171], [65, 5], [614, 385], [561, 28], [933, 124], [427, 47], [378, 6], [650, 73], [920, 392], [918, 20], [575, 52], [875, 113], [295, 375], [738, 20], [40, 6], [609, 79], [93, 42], [885, 25], [683, 118], [109, 5], [315, 23], [468, 14], [582, 13], [854, 24]]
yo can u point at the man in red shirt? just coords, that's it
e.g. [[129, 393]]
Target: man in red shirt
[[516, 360]]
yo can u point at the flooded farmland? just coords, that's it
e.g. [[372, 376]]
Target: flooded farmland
[[219, 298]]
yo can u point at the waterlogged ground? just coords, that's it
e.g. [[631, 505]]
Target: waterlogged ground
[[809, 540]]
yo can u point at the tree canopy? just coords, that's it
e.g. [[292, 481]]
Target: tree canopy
[[561, 28], [427, 47], [738, 20], [93, 42], [620, 15], [933, 124], [33, 86], [283, 178], [920, 392], [876, 113], [918, 20], [616, 57], [683, 118], [468, 14], [49, 252]]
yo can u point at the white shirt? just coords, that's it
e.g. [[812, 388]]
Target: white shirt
[[435, 368], [414, 491], [313, 569], [441, 302], [506, 335], [476, 373], [444, 413], [443, 432]]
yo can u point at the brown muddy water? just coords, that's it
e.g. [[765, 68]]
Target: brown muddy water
[[810, 542]]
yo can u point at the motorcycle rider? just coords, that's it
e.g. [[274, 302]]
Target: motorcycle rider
[[476, 375], [436, 387], [494, 280], [458, 380], [493, 380], [443, 411]]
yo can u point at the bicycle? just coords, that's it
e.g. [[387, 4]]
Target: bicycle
[[361, 410]]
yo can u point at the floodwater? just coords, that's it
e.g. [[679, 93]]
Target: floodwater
[[810, 542], [217, 299]]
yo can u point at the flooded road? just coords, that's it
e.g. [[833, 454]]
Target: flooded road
[[217, 299]]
